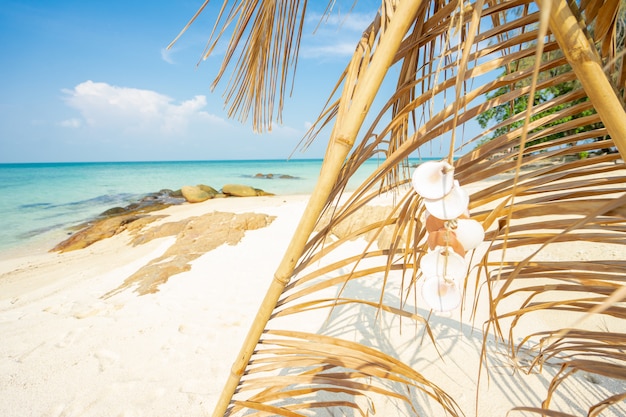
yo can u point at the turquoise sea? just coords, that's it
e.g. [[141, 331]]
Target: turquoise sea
[[40, 202]]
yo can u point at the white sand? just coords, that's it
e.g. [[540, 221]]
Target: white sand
[[67, 351]]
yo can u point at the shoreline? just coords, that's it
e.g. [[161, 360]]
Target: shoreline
[[40, 252], [44, 242]]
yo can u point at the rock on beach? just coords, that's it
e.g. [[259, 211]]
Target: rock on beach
[[134, 216], [194, 194], [201, 192], [194, 237], [238, 190]]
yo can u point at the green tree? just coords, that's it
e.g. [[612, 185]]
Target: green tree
[[499, 113], [502, 112]]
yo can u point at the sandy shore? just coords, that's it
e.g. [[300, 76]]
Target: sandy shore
[[68, 349]]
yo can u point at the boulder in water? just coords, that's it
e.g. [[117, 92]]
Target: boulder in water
[[208, 189], [113, 211], [194, 194], [238, 190], [270, 176]]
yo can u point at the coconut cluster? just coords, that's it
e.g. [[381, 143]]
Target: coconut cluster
[[451, 233]]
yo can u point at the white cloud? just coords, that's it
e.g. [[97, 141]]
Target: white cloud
[[352, 21], [136, 111], [283, 131], [344, 49], [71, 123], [334, 35]]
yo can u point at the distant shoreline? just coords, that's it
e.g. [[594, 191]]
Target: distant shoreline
[[45, 196]]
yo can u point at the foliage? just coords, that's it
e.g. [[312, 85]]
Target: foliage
[[505, 111], [502, 112]]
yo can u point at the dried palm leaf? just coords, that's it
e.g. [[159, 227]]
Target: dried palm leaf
[[532, 188], [270, 32]]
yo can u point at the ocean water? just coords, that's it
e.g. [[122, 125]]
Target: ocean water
[[41, 202]]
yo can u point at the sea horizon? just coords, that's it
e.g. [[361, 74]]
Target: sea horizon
[[45, 201], [159, 161]]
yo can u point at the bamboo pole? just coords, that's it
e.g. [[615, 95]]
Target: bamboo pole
[[586, 63], [341, 141]]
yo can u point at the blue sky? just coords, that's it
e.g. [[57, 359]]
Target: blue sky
[[92, 81]]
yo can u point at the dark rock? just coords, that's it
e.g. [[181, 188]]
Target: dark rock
[[113, 211], [270, 176], [169, 193], [176, 193]]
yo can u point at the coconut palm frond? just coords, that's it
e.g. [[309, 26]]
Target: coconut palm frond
[[328, 372], [594, 354], [541, 172], [264, 44]]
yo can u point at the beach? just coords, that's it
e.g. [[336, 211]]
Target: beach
[[77, 341], [419, 211], [68, 351]]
